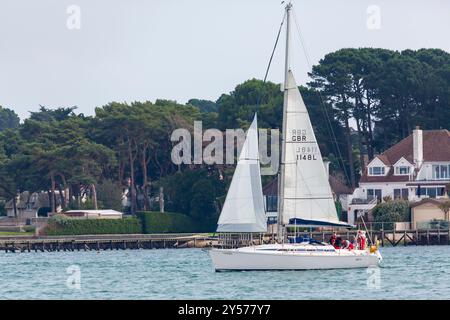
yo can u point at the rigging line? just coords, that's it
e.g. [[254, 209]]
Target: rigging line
[[274, 48], [258, 102], [324, 110]]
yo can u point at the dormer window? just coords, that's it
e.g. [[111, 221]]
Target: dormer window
[[403, 167], [376, 171], [402, 170]]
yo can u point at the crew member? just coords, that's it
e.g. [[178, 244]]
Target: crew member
[[333, 239]]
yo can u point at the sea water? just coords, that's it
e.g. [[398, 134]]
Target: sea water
[[407, 273]]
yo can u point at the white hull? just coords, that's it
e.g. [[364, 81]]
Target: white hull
[[287, 257]]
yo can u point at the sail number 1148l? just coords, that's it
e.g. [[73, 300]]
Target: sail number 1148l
[[307, 153]]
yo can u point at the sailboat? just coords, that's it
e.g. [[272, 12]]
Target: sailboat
[[305, 198]]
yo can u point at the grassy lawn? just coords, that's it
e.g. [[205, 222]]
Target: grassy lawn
[[5, 233]]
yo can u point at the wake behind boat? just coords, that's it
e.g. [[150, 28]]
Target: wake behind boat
[[305, 198]]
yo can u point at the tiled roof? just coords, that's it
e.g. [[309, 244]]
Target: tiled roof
[[436, 147], [437, 202], [390, 177]]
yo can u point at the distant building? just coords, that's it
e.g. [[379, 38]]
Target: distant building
[[94, 214], [30, 205], [416, 168], [426, 212]]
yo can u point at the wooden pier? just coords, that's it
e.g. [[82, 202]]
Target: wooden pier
[[383, 237], [389, 237], [167, 241], [102, 242]]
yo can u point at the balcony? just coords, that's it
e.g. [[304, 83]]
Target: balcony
[[369, 200]]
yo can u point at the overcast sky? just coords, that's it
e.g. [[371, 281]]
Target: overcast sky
[[181, 49]]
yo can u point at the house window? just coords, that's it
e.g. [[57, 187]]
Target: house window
[[401, 194], [432, 192], [374, 193], [376, 171], [271, 203], [402, 170], [441, 172]]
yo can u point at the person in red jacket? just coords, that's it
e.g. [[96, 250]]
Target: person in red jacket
[[361, 240], [350, 245]]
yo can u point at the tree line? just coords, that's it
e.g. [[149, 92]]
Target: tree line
[[361, 101], [385, 93]]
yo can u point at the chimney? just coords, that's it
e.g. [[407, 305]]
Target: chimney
[[418, 146], [326, 164]]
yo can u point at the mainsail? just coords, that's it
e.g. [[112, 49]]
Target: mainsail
[[305, 192], [243, 210]]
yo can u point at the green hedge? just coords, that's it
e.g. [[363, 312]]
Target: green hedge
[[60, 225], [391, 211], [146, 222], [167, 222]]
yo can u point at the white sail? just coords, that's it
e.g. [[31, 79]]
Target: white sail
[[305, 190], [243, 210]]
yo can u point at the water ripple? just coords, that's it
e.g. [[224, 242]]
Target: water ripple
[[408, 272]]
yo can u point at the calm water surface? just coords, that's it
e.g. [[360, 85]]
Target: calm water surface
[[408, 272]]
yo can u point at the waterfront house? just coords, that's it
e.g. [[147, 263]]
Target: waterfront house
[[94, 214], [416, 168], [427, 214]]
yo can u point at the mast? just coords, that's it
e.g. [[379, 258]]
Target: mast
[[288, 44], [280, 229]]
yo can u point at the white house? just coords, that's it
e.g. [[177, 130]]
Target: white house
[[417, 167]]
